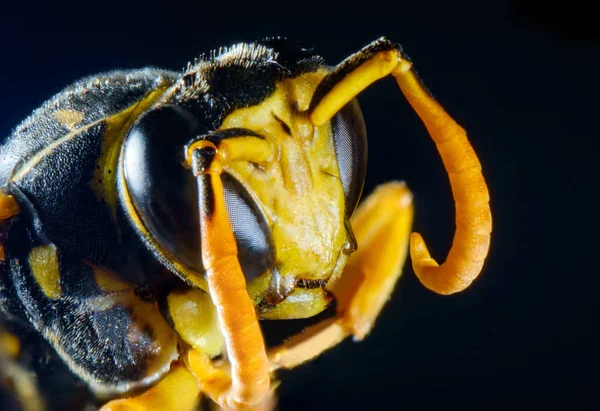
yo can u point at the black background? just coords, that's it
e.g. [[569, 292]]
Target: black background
[[521, 77]]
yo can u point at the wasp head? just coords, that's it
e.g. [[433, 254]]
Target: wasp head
[[289, 209]]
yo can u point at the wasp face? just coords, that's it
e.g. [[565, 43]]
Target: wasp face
[[289, 212]]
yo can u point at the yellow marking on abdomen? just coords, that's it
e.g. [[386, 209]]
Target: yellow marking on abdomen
[[69, 118], [43, 261]]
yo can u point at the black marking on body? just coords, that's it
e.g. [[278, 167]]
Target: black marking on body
[[69, 213], [202, 159], [90, 331], [167, 287], [310, 284], [220, 135], [145, 292], [294, 58], [286, 128], [53, 186], [206, 195], [240, 76], [95, 97]]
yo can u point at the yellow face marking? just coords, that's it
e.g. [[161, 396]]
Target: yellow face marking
[[300, 191], [195, 320], [69, 118], [43, 262]]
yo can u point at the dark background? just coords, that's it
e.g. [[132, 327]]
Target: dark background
[[521, 77]]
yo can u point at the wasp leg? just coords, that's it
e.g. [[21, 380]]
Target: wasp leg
[[9, 344], [381, 225], [473, 216], [178, 390], [17, 384], [250, 378], [8, 208], [216, 380]]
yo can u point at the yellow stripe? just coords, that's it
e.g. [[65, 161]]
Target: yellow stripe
[[39, 156], [69, 118]]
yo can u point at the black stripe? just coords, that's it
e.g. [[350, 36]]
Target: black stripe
[[217, 136], [206, 195], [202, 158], [310, 284]]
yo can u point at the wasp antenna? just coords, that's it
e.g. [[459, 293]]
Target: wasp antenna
[[473, 216]]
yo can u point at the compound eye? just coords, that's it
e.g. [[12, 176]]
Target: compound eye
[[162, 191], [165, 194], [350, 138], [255, 250]]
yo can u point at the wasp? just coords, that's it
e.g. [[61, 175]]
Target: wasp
[[150, 221]]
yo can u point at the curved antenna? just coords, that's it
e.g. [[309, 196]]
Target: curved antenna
[[473, 216], [471, 197]]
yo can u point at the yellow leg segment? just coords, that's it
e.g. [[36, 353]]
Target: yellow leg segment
[[178, 390], [214, 381], [381, 225], [8, 206], [473, 215], [9, 344]]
